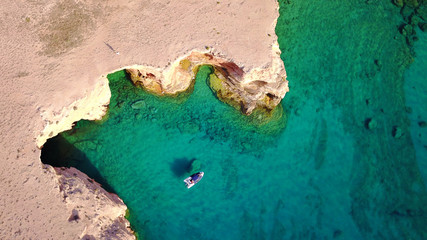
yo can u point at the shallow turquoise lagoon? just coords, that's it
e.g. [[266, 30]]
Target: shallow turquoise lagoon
[[316, 170]]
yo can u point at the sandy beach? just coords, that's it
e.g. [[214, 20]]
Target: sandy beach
[[54, 59]]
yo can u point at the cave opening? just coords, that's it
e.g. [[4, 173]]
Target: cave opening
[[59, 152]]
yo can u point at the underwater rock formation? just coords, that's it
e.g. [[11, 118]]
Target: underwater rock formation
[[259, 88], [411, 3], [414, 14]]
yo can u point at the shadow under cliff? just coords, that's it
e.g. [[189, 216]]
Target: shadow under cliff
[[58, 152]]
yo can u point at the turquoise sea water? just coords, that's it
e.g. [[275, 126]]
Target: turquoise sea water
[[416, 99], [315, 171]]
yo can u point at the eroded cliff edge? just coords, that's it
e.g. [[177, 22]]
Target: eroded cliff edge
[[262, 87], [101, 212]]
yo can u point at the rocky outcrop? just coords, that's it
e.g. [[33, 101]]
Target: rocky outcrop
[[411, 3], [414, 14], [259, 88], [92, 107], [101, 212]]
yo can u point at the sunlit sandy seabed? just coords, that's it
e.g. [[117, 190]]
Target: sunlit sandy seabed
[[315, 171]]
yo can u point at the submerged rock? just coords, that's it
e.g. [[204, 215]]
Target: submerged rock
[[406, 13], [422, 11], [407, 30], [415, 20], [398, 3], [370, 123], [138, 104], [195, 166], [413, 3], [423, 26], [88, 144], [138, 116], [396, 132], [188, 127], [409, 3], [337, 233]]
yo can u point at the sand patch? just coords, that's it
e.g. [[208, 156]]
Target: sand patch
[[67, 26]]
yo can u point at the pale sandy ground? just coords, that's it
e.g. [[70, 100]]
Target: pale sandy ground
[[53, 54]]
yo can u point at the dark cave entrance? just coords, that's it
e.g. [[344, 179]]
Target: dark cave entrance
[[58, 152]]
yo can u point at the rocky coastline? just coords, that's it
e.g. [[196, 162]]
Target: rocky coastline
[[260, 88], [103, 213]]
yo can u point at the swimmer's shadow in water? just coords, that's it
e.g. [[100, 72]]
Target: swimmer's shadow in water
[[182, 166]]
